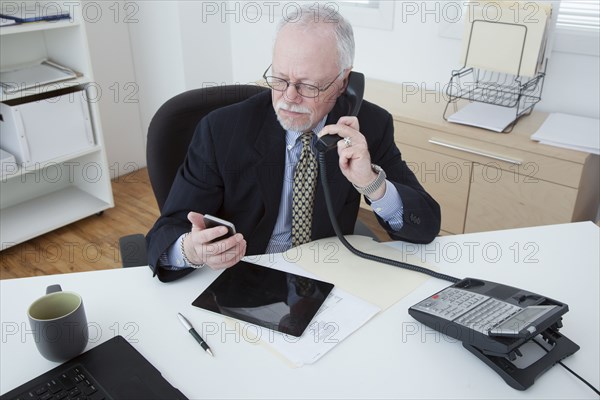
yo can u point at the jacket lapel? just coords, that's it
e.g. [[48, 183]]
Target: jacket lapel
[[269, 171]]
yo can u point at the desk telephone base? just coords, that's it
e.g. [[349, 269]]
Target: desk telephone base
[[494, 321]]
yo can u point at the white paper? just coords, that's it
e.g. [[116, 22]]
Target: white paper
[[379, 284], [570, 131], [340, 315], [484, 115], [41, 73]]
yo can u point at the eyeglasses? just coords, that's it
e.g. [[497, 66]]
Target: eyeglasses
[[303, 89]]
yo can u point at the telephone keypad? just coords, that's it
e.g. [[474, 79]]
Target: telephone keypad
[[475, 311]]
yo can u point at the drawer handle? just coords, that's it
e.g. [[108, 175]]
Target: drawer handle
[[475, 151]]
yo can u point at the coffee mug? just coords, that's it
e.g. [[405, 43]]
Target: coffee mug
[[58, 324]]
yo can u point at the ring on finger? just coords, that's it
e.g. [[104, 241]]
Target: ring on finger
[[347, 141]]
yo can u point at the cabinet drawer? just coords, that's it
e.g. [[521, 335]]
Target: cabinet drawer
[[519, 164], [446, 179], [498, 202]]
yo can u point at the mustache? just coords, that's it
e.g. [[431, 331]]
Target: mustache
[[282, 105]]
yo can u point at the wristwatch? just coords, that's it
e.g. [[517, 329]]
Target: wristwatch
[[376, 184], [185, 259]]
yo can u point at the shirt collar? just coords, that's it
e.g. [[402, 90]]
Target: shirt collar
[[292, 136]]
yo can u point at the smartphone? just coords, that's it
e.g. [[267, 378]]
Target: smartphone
[[211, 222]]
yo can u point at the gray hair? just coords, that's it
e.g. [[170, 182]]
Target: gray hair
[[309, 14]]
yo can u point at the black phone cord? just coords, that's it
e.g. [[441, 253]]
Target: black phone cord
[[575, 374], [395, 263], [372, 257]]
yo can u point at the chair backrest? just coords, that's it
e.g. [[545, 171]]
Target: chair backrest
[[172, 127]]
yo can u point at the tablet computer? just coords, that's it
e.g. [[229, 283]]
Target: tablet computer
[[267, 297]]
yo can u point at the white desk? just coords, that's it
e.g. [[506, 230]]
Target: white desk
[[392, 356]]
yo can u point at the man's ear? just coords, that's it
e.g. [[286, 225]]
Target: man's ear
[[344, 84]]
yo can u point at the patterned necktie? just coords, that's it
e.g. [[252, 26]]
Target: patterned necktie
[[303, 195]]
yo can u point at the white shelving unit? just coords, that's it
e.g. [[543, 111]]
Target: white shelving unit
[[39, 198]]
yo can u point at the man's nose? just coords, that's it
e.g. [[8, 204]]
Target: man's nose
[[291, 94]]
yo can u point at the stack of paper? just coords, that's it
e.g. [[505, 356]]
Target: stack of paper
[[497, 32], [483, 115], [32, 75], [571, 132], [362, 289], [340, 315]]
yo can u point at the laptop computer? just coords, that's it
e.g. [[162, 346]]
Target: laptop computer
[[112, 370]]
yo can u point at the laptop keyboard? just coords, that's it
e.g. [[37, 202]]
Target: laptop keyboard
[[74, 383]]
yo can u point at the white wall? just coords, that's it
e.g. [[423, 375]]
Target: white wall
[[157, 54], [110, 52], [166, 47], [413, 52], [174, 51], [144, 53]]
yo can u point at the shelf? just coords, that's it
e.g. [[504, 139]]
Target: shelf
[[43, 89], [55, 189], [46, 213], [37, 26], [40, 166]]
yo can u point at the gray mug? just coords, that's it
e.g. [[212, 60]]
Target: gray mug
[[59, 324]]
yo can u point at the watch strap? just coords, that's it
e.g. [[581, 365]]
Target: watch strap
[[185, 259], [373, 186]]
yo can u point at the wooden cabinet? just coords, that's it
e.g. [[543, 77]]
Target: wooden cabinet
[[38, 197], [485, 180]]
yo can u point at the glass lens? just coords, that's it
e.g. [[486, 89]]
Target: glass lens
[[277, 83], [307, 90]]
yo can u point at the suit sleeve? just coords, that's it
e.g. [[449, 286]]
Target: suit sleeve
[[421, 217], [197, 187]]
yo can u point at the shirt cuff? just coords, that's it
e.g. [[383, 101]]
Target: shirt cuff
[[172, 258], [390, 207]]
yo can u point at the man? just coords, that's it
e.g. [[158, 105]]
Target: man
[[253, 164]]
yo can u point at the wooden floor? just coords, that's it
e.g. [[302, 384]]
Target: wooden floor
[[93, 243]]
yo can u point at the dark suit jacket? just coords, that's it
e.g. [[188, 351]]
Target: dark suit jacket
[[234, 169]]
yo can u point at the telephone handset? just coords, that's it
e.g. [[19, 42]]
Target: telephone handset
[[353, 97]]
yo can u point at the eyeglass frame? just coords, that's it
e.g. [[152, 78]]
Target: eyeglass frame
[[295, 84]]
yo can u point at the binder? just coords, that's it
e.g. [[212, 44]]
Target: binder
[[32, 12]]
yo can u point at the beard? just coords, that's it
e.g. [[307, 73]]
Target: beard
[[301, 123]]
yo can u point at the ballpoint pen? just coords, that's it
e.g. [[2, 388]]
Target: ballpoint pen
[[186, 324]]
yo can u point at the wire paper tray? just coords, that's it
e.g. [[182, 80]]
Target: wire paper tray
[[500, 89]]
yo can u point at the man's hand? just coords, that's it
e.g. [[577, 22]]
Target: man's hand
[[355, 160], [218, 255]]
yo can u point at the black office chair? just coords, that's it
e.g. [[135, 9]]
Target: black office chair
[[169, 135]]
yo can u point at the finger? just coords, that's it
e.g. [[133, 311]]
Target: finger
[[210, 234], [355, 158], [335, 129], [221, 246], [197, 220], [343, 131], [225, 260], [218, 253], [226, 253], [353, 148], [349, 121]]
